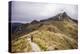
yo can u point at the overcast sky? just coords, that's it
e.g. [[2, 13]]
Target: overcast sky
[[25, 12]]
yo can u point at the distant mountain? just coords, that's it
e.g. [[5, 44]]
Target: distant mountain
[[14, 26], [56, 33]]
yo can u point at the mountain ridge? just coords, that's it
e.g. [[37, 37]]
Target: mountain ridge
[[56, 33], [59, 17]]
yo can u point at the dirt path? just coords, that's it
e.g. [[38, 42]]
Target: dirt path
[[35, 47]]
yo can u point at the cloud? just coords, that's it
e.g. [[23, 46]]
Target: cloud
[[27, 11]]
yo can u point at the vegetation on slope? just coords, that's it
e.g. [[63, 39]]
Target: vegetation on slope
[[47, 34], [51, 39], [21, 45]]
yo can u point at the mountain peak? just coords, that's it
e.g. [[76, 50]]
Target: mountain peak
[[62, 16], [34, 22]]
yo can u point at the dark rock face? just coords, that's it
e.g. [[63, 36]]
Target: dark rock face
[[64, 14]]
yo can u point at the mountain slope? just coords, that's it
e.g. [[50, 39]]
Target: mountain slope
[[56, 33]]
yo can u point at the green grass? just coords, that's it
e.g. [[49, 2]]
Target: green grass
[[20, 45], [46, 39], [41, 43], [55, 35]]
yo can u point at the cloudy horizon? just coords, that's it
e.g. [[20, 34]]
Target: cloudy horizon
[[25, 12]]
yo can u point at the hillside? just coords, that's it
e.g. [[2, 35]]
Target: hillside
[[56, 33]]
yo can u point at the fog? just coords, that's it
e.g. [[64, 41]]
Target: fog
[[25, 12]]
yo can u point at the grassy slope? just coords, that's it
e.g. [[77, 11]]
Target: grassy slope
[[60, 35], [53, 35], [21, 45]]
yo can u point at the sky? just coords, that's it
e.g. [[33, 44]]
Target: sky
[[25, 12]]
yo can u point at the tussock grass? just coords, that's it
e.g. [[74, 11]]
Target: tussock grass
[[53, 35], [21, 45], [50, 41]]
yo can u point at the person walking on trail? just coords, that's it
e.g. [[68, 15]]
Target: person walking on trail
[[32, 38]]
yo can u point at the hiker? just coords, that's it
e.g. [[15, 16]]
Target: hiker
[[32, 38]]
